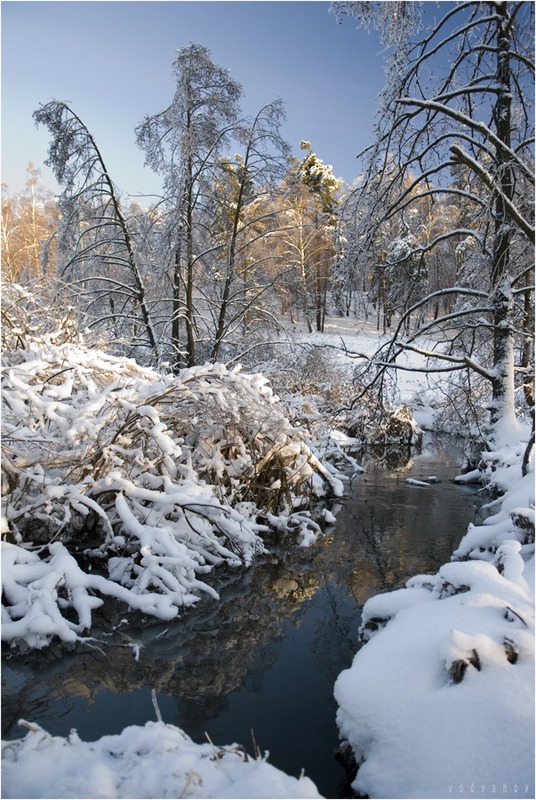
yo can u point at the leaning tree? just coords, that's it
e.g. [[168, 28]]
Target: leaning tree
[[456, 128], [96, 254]]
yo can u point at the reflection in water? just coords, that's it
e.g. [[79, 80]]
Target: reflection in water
[[265, 657]]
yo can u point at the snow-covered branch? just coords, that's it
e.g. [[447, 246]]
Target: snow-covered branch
[[463, 157], [460, 361], [472, 124]]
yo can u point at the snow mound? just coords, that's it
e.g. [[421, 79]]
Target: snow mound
[[121, 481], [155, 760], [448, 668]]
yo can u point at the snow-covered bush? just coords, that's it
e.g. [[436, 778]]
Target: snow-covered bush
[[313, 383], [31, 311], [383, 427], [151, 479]]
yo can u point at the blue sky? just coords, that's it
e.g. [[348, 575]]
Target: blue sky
[[112, 62]]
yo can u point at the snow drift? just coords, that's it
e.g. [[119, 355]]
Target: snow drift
[[154, 760]]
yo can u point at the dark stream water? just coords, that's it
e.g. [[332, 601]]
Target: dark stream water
[[265, 658]]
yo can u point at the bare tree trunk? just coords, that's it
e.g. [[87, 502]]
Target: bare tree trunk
[[222, 316], [189, 298], [176, 303], [503, 345]]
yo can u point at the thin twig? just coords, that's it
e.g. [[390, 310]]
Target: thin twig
[[155, 705]]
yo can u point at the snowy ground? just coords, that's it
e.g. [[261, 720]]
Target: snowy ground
[[439, 703], [156, 760]]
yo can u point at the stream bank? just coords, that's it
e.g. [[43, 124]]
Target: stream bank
[[258, 667]]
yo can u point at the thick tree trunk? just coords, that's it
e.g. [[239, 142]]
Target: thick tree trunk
[[503, 395]]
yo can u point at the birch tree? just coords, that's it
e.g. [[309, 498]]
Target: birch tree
[[182, 143], [457, 120], [29, 221], [322, 186], [307, 235]]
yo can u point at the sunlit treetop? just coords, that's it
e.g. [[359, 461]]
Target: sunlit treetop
[[319, 178]]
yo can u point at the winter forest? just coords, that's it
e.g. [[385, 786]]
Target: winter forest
[[198, 393]]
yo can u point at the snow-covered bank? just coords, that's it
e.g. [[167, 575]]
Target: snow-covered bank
[[440, 700], [123, 482], [468, 597], [153, 761]]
